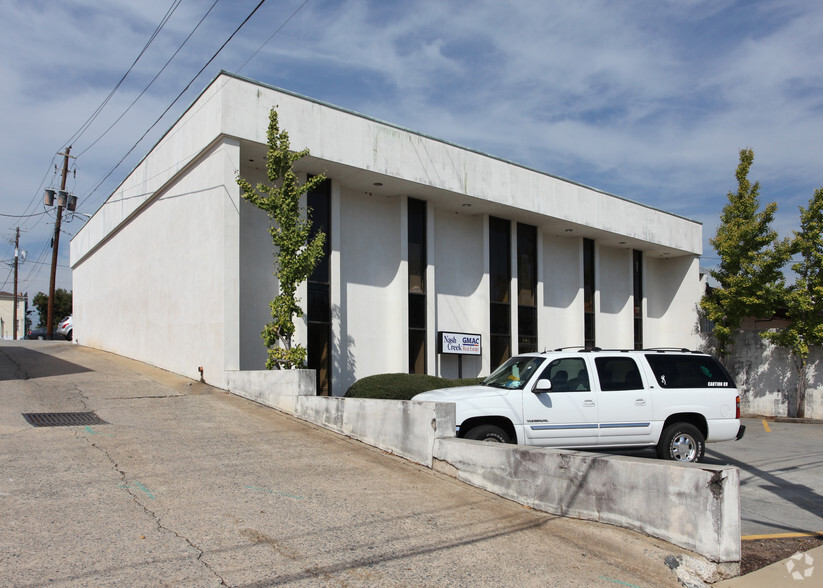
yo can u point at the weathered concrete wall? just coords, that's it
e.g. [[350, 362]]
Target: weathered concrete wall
[[693, 506], [276, 388], [767, 378], [407, 429]]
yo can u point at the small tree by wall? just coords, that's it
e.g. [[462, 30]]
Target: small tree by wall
[[62, 306], [751, 260], [295, 254], [804, 298]]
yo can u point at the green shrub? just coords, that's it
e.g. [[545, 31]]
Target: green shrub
[[402, 386]]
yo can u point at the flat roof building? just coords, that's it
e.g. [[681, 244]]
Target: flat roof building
[[425, 241]]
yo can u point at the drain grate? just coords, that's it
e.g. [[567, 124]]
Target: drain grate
[[62, 419]]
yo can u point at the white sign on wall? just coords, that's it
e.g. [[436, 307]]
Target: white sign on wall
[[458, 343]]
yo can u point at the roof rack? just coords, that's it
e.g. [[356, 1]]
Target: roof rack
[[681, 349]]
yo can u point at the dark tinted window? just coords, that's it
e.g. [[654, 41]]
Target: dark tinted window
[[568, 374], [688, 371], [618, 373]]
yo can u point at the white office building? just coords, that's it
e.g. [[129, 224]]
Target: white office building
[[428, 244]]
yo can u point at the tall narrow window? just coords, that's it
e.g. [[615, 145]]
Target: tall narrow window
[[417, 286], [588, 293], [526, 288], [637, 280], [318, 313], [499, 290]]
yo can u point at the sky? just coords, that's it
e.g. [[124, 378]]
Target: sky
[[650, 100]]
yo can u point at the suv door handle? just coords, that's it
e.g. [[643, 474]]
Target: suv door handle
[[640, 402], [588, 403]]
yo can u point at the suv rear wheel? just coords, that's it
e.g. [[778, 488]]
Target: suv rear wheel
[[681, 442], [490, 433]]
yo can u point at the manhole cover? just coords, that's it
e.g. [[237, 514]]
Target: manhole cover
[[62, 419]]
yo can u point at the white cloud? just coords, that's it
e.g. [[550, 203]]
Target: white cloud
[[649, 100]]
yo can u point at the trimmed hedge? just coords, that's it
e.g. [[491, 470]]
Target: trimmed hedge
[[402, 386]]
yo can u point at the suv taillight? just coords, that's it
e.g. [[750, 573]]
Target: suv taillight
[[737, 412]]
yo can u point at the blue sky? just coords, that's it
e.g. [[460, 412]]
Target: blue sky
[[650, 99]]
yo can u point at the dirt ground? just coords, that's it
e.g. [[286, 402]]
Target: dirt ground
[[758, 553]]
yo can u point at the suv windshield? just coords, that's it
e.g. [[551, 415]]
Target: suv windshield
[[515, 373]]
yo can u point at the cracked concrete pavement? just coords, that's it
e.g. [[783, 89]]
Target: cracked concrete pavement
[[190, 486]]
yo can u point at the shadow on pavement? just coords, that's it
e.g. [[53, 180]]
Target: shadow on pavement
[[800, 495], [23, 363]]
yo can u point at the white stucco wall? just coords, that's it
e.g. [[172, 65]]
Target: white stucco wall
[[462, 286], [560, 320], [374, 280], [190, 266], [614, 327], [672, 291], [157, 289]]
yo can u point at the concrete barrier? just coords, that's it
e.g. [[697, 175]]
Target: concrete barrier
[[695, 506], [407, 429], [276, 388]]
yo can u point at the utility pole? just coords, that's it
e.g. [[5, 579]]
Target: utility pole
[[55, 245], [16, 255]]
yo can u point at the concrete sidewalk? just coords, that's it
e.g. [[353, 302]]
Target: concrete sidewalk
[[799, 570], [189, 486]]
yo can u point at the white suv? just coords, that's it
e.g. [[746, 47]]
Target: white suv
[[674, 400]]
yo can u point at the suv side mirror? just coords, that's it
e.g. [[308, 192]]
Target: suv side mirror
[[542, 385]]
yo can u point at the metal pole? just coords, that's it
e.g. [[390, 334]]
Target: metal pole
[[16, 255], [54, 247]]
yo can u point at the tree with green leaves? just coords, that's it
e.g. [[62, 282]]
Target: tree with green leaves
[[751, 260], [62, 306], [296, 254], [804, 298]]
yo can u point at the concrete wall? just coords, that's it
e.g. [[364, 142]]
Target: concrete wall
[[407, 429], [693, 506], [360, 143], [767, 379], [161, 288], [374, 282], [460, 286], [614, 325], [672, 289], [560, 320]]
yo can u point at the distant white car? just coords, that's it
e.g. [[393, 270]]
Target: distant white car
[[64, 327]]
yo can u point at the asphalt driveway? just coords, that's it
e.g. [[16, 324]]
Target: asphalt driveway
[[185, 485], [781, 476]]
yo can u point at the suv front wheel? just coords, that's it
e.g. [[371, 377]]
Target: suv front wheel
[[491, 433], [681, 442]]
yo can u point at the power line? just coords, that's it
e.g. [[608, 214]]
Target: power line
[[24, 215], [157, 75], [183, 91], [277, 30], [84, 127]]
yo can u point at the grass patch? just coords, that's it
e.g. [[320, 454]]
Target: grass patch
[[402, 386]]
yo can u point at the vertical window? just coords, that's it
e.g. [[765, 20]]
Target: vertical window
[[588, 293], [417, 285], [637, 283], [318, 307], [499, 290], [526, 288]]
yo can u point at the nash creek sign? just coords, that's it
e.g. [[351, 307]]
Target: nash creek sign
[[458, 343]]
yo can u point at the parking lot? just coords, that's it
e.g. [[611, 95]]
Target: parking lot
[[781, 476]]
